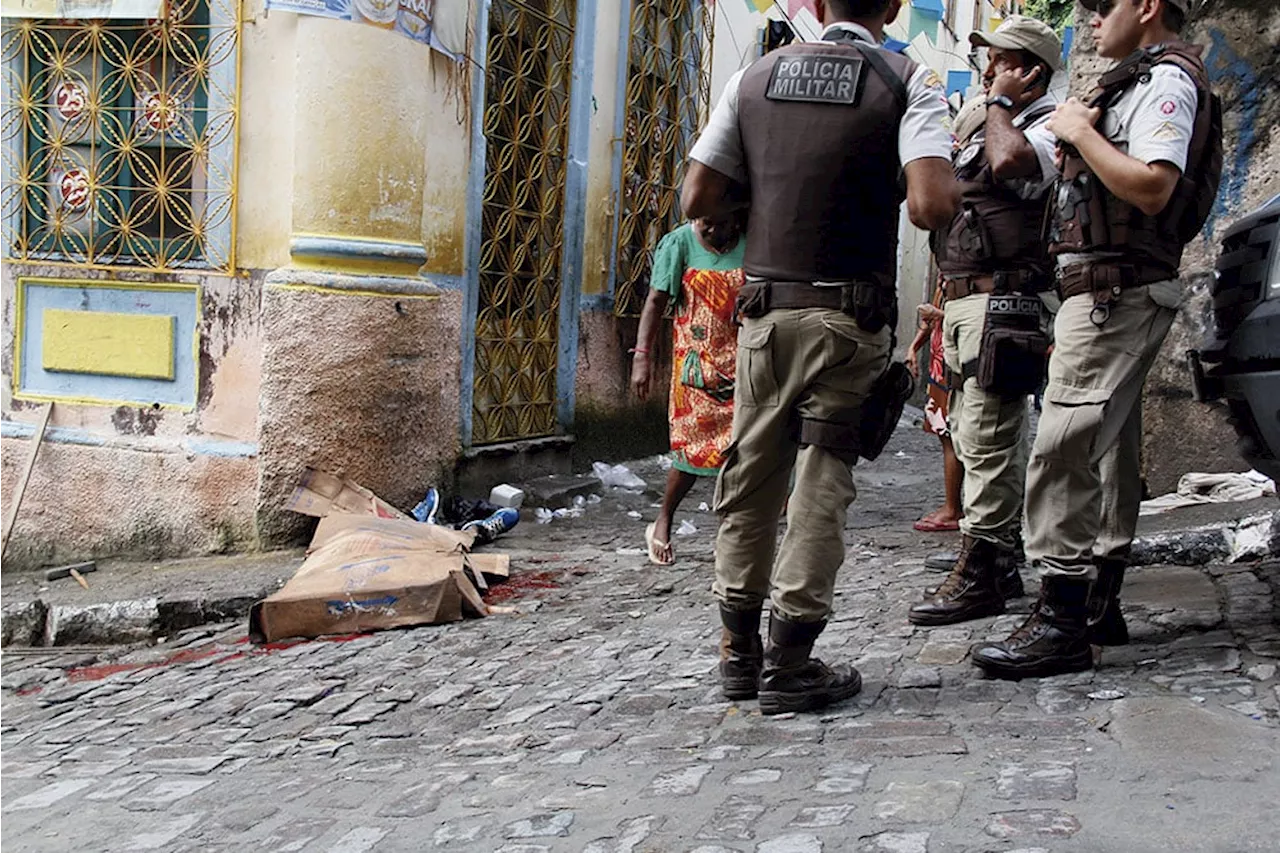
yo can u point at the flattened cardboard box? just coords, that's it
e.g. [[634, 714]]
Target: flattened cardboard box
[[319, 493], [364, 573]]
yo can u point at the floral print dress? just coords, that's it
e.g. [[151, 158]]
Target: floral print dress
[[702, 286]]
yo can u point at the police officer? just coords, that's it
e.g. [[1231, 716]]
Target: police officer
[[994, 265], [1142, 158], [820, 136]]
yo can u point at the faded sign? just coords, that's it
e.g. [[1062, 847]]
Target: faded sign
[[80, 8], [441, 24]]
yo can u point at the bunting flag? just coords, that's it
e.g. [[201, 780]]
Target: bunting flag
[[958, 81], [760, 6]]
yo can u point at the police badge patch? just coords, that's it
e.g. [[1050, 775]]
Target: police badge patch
[[821, 79]]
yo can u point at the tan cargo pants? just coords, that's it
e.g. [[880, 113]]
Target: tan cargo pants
[[1091, 429], [792, 364], [988, 432]]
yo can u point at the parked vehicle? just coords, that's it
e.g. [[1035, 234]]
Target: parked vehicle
[[1239, 363]]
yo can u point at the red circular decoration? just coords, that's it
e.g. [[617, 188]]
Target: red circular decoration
[[74, 186], [69, 99]]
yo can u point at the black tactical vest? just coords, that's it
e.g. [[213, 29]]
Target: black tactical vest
[[1087, 217], [995, 229], [819, 124]]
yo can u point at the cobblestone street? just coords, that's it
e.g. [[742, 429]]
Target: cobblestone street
[[590, 720]]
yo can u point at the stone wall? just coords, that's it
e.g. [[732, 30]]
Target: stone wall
[[1242, 55]]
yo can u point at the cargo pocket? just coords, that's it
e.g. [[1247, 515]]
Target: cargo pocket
[[757, 382], [1070, 422]]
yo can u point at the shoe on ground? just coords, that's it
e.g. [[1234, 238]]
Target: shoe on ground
[[491, 528], [428, 507]]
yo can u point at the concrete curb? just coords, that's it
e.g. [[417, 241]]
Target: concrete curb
[[36, 623], [1255, 537]]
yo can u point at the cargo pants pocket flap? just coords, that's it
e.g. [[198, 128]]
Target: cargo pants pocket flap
[[1070, 395], [757, 384]]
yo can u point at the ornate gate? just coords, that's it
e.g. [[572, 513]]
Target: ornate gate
[[526, 120], [668, 93]]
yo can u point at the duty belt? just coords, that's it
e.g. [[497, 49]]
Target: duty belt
[[871, 305], [1106, 281], [1002, 281]]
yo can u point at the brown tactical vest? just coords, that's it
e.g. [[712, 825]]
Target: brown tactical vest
[[995, 230], [1087, 217], [819, 125]]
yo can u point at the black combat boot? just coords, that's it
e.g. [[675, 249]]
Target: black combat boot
[[969, 592], [1008, 573], [1106, 622], [1053, 640], [792, 680], [741, 652]]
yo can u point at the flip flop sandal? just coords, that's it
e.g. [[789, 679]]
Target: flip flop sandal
[[929, 526], [655, 544]]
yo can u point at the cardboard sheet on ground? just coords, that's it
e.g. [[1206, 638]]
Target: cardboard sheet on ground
[[319, 493], [366, 570]]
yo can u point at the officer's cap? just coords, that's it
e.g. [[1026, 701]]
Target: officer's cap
[[1018, 32]]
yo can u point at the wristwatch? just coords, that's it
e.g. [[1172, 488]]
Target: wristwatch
[[1000, 101]]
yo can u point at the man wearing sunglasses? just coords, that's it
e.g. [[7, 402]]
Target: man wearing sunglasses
[[1141, 159]]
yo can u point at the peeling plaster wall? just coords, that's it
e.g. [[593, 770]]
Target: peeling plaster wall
[[161, 482], [1243, 58]]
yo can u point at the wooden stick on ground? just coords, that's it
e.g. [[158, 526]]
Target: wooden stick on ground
[[26, 476]]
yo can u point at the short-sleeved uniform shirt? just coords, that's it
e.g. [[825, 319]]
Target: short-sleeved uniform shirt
[[1152, 122], [925, 130]]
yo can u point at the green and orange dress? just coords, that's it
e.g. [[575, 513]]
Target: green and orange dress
[[702, 286]]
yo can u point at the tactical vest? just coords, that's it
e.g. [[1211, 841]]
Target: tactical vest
[[1087, 217], [819, 124], [995, 229]]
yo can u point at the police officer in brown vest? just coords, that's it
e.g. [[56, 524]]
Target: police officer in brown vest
[[994, 266], [820, 137], [1142, 158]]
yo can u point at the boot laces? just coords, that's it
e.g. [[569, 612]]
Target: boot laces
[[1032, 627], [958, 579]]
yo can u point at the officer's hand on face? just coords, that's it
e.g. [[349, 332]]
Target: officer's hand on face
[[1072, 120], [641, 376], [1016, 84]]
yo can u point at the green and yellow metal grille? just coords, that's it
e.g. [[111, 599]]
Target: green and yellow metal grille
[[667, 97], [526, 120], [119, 138]]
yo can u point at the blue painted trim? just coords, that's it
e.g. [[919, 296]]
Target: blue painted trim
[[85, 438], [596, 303], [619, 142], [575, 207], [475, 233], [447, 282], [325, 246]]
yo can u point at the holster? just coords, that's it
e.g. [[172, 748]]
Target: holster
[[882, 409], [1013, 355]]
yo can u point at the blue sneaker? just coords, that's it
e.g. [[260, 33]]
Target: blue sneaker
[[494, 526], [427, 508]]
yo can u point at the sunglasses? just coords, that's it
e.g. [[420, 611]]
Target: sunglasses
[[1105, 7]]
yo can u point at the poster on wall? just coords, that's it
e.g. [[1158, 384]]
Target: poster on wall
[[72, 9], [441, 24]]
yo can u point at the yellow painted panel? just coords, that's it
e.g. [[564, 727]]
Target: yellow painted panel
[[135, 345]]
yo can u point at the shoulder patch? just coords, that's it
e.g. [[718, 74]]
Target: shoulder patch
[[1166, 132], [932, 80], [817, 78]]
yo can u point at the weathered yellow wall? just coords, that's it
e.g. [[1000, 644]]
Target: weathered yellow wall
[[448, 163], [268, 67], [598, 243]]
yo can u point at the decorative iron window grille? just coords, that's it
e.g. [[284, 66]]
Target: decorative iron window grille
[[668, 96], [119, 138]]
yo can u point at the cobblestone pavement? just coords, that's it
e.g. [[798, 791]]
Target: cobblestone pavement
[[590, 719]]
